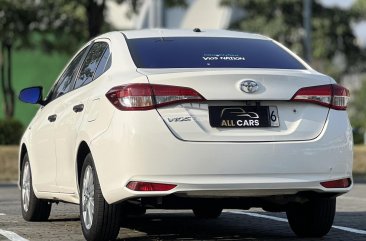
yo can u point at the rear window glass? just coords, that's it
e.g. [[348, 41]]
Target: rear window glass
[[208, 52]]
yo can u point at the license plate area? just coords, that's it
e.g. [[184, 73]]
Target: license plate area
[[243, 116]]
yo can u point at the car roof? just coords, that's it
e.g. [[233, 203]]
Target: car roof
[[162, 33]]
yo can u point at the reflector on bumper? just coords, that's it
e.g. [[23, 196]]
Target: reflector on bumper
[[340, 183], [149, 187]]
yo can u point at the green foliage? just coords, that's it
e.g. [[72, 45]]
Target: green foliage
[[11, 132], [359, 9], [33, 68], [60, 25], [15, 16], [273, 18], [50, 24], [283, 20], [358, 113], [357, 136]]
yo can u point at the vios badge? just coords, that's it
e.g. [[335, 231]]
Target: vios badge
[[249, 86]]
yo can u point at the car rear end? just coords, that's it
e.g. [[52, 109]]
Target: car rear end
[[194, 129]]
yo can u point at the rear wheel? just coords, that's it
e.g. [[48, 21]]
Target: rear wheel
[[33, 209], [99, 220], [313, 218], [207, 212]]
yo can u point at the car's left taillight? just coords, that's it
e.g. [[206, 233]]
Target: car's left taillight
[[150, 96], [333, 96]]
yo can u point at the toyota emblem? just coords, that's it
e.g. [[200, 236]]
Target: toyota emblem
[[249, 86]]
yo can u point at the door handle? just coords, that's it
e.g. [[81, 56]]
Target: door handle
[[78, 108], [52, 118]]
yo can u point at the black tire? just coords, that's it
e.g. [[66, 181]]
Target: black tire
[[207, 212], [38, 210], [105, 224], [313, 218]]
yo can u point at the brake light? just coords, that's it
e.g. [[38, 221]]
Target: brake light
[[333, 96], [150, 96], [341, 183], [149, 186]]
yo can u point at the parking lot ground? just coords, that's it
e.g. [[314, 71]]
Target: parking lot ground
[[64, 224]]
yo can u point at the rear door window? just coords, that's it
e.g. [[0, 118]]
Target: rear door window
[[210, 52], [90, 64], [104, 64]]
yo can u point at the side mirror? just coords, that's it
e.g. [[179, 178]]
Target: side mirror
[[32, 95]]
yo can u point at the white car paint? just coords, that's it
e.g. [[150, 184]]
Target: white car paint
[[313, 144]]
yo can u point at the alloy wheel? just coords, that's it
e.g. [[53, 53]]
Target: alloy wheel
[[26, 187], [88, 197]]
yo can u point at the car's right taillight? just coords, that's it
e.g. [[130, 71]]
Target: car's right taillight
[[333, 96], [150, 96]]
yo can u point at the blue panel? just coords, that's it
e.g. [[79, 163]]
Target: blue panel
[[32, 95]]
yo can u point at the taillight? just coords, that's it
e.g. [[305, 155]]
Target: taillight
[[333, 96], [149, 186], [150, 96], [340, 183]]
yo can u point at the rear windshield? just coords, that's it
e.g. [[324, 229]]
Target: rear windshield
[[209, 52]]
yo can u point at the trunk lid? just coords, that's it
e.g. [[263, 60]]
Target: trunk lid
[[221, 88]]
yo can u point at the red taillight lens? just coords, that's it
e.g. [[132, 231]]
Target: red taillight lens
[[333, 96], [149, 187], [150, 96], [341, 183]]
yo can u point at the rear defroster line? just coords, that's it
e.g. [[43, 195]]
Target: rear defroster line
[[12, 236], [257, 215]]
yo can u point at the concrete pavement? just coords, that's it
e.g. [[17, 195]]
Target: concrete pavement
[[64, 224]]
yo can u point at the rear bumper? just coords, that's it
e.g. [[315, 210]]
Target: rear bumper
[[139, 147]]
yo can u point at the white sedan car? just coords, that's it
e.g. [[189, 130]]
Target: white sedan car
[[187, 119]]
